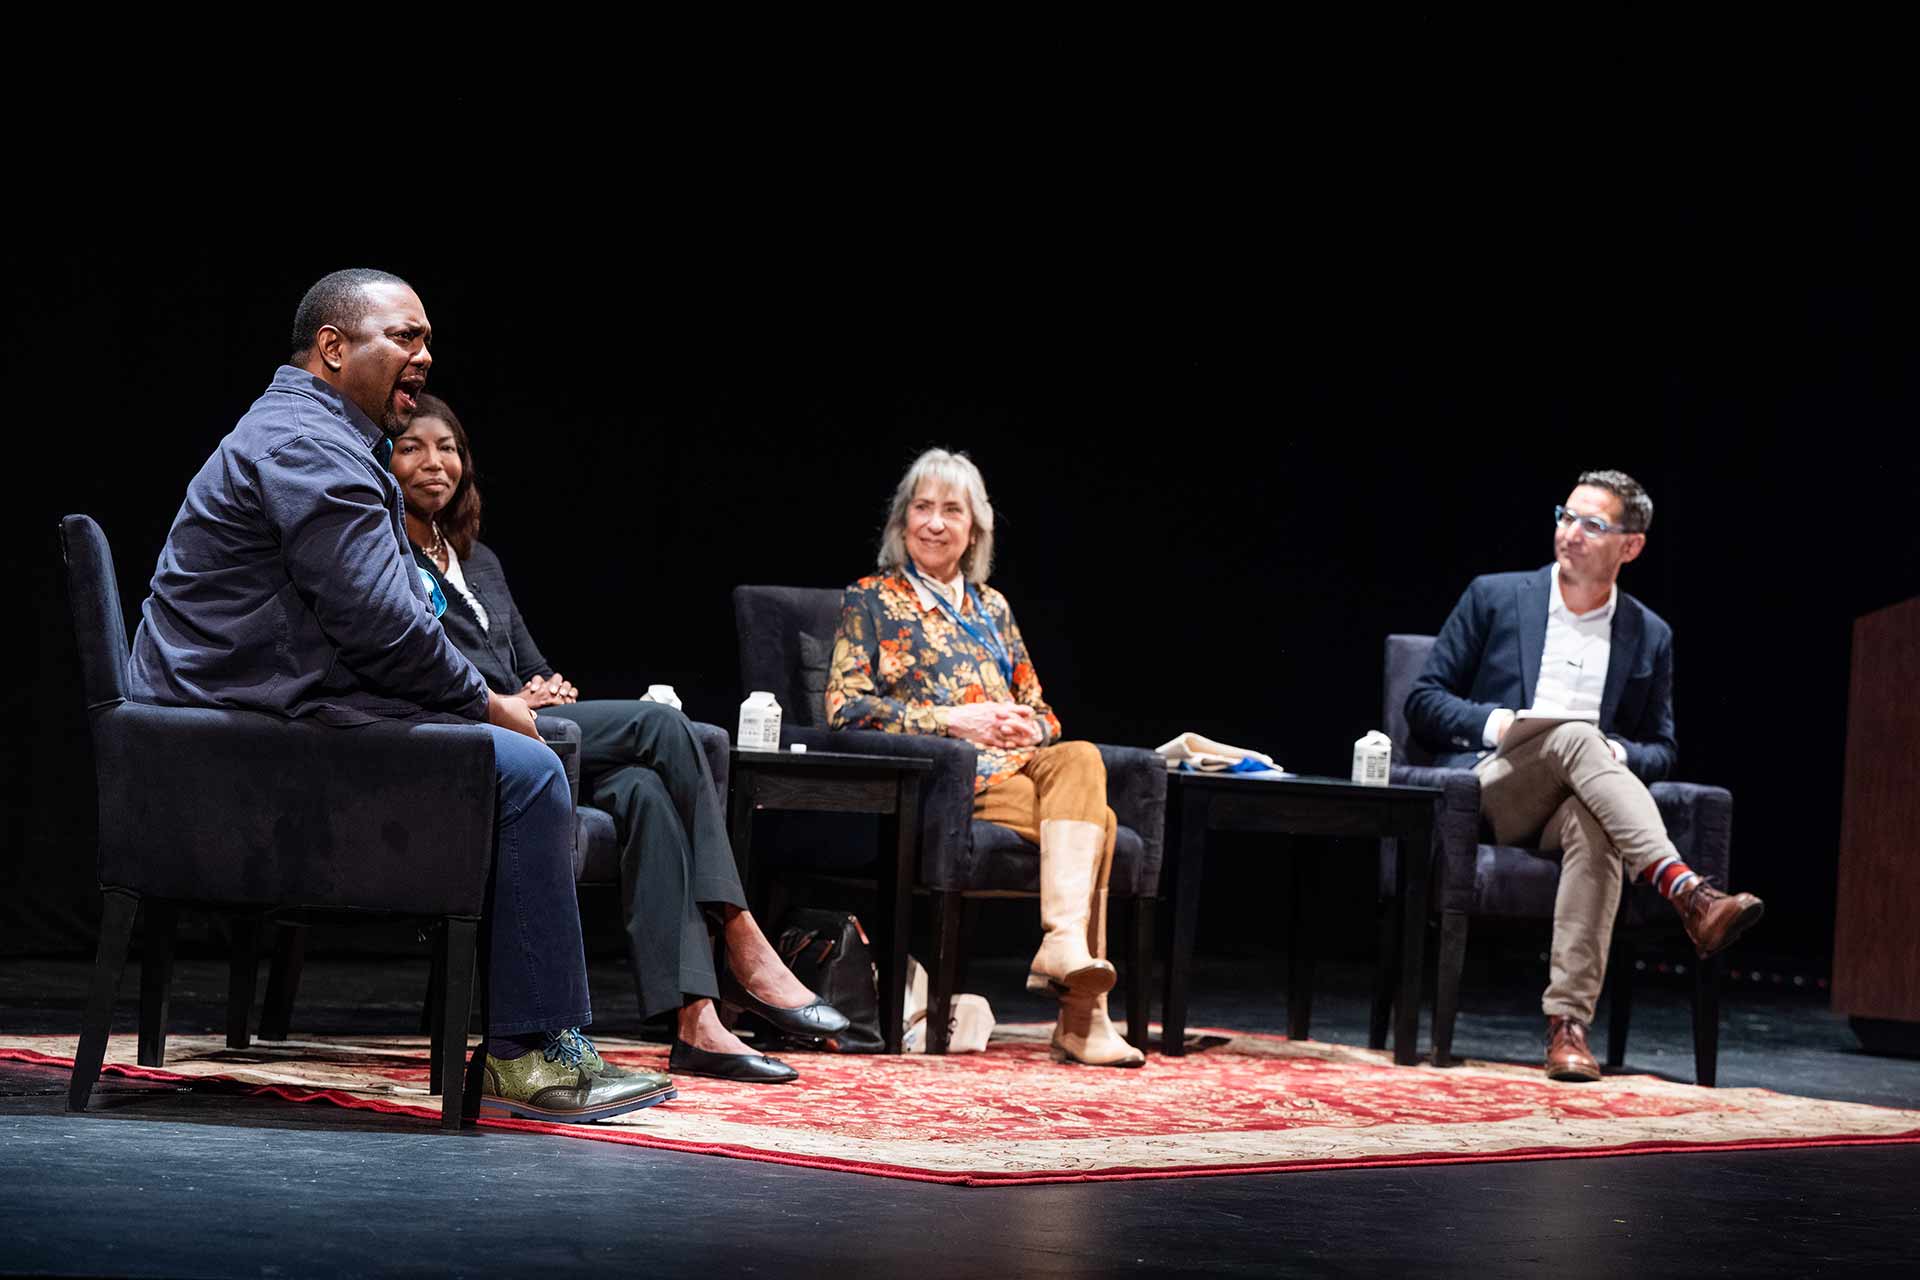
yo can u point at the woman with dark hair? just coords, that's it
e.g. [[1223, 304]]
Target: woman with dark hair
[[639, 761]]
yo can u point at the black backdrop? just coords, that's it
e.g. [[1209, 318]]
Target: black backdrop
[[1244, 408]]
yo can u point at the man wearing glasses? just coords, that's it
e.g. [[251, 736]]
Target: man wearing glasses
[[1593, 667]]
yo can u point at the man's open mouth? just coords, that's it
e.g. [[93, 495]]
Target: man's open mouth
[[405, 395]]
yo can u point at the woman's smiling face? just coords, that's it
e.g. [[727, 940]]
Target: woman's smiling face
[[427, 463]]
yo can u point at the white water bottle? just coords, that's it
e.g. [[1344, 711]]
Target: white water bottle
[[662, 693], [759, 723]]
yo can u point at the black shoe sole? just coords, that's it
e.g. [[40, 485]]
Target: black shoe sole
[[501, 1107]]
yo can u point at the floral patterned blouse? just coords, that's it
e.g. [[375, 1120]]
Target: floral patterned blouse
[[899, 668]]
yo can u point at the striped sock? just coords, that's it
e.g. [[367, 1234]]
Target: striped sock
[[1670, 876]]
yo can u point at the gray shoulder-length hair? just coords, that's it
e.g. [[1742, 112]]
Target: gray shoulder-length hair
[[949, 470]]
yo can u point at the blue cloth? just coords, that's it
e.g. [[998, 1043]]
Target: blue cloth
[[1488, 656], [286, 585]]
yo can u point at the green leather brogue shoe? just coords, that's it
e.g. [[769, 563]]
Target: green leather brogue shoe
[[592, 1060], [557, 1084]]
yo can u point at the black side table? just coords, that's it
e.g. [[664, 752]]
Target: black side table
[[1199, 804], [836, 782]]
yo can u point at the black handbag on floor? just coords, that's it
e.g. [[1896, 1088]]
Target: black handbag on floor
[[828, 950]]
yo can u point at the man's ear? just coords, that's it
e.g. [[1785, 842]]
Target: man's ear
[[1636, 543], [331, 346]]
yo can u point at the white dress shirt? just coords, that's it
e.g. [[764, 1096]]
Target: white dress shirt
[[458, 580], [1573, 665]]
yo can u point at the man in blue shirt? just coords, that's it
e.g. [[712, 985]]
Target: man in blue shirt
[[286, 586]]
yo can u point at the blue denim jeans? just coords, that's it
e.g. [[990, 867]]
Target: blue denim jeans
[[537, 963]]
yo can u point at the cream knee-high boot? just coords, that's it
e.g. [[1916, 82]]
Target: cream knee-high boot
[[1084, 1033], [1071, 854]]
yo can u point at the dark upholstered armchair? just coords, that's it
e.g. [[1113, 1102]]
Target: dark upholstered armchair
[[247, 813], [786, 645], [1474, 879], [596, 865]]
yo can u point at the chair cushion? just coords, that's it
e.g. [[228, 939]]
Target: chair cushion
[[1005, 863], [782, 630], [1516, 883], [816, 656], [596, 847]]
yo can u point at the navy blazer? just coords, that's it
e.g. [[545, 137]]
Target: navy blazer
[[1488, 656], [503, 650]]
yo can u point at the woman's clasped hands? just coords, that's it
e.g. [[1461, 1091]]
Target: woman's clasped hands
[[1003, 725], [553, 690]]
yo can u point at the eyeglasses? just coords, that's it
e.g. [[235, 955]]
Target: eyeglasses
[[1593, 526]]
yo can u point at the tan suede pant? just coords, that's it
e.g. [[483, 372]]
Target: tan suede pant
[[1564, 792], [1066, 780]]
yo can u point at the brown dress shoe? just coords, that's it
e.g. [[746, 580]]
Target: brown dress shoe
[[1568, 1057], [1715, 919]]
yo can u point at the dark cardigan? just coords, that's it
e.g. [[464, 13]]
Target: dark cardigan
[[503, 651]]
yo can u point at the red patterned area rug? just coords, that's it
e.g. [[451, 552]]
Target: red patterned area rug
[[1242, 1104]]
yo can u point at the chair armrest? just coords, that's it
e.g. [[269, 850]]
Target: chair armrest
[[564, 737], [1699, 821], [715, 744], [1137, 793], [1456, 834], [259, 811], [946, 794]]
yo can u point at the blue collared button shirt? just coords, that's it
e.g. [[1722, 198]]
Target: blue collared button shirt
[[286, 584]]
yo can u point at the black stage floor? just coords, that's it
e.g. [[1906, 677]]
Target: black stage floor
[[160, 1181]]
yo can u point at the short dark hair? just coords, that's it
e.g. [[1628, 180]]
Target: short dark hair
[[338, 299], [1636, 508], [459, 520]]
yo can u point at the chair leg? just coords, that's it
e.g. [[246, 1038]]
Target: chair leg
[[969, 917], [117, 911], [456, 1007], [243, 975], [1620, 1011], [1446, 994], [947, 909], [477, 1064], [283, 979], [436, 939], [1706, 1022], [434, 1014], [1386, 974], [156, 981], [1139, 936]]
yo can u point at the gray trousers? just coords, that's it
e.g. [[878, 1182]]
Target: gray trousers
[[1564, 793], [640, 762]]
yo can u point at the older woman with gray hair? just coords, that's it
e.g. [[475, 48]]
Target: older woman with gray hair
[[926, 646]]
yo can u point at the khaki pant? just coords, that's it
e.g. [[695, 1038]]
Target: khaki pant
[[1564, 792], [1066, 780]]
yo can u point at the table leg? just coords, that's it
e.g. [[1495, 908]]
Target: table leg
[[740, 827], [1300, 944], [896, 897], [1410, 879], [1186, 864]]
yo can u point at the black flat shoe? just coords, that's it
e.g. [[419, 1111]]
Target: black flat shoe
[[749, 1068], [814, 1021]]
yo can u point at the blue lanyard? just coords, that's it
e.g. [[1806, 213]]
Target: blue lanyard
[[988, 639]]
